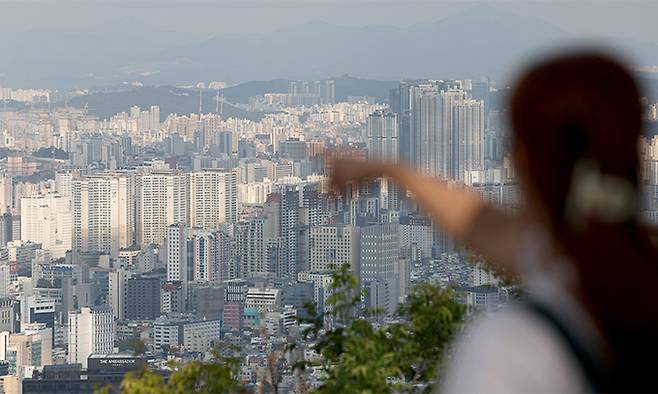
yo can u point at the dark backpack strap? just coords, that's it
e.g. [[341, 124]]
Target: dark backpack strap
[[594, 371]]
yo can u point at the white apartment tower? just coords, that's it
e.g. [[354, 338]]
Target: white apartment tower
[[103, 213], [177, 236], [63, 182], [154, 122], [46, 219], [162, 200], [177, 255], [91, 331], [213, 197]]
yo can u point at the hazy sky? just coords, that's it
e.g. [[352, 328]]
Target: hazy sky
[[198, 19], [80, 42]]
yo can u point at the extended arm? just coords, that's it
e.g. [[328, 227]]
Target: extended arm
[[460, 212]]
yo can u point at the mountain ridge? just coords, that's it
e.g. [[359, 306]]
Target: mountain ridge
[[479, 41]]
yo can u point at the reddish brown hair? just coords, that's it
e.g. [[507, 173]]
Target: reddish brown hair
[[586, 106]]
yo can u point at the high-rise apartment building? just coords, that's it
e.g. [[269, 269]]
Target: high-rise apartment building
[[176, 249], [431, 139], [446, 131], [63, 182], [103, 213], [382, 134], [178, 257], [213, 198], [6, 194], [259, 241], [46, 219], [468, 130], [299, 210], [416, 237], [154, 113], [287, 264], [330, 91], [206, 257], [162, 200], [400, 105], [91, 331]]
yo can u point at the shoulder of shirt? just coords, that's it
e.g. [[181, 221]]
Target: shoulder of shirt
[[513, 351]]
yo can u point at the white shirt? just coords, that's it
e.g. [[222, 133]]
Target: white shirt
[[515, 350]]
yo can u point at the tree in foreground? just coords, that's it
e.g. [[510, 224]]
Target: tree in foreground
[[356, 356], [217, 376], [360, 357]]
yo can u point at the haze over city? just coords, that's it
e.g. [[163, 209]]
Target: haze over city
[[328, 196], [173, 42]]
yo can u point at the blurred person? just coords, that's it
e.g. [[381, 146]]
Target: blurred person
[[589, 320]]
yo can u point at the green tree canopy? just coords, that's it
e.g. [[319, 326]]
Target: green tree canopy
[[357, 356]]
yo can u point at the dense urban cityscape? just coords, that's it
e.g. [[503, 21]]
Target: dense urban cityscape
[[200, 217], [180, 231]]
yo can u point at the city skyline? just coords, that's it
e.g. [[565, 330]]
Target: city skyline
[[168, 197]]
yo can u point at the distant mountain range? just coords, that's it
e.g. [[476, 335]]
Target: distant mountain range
[[479, 41], [112, 100], [170, 100]]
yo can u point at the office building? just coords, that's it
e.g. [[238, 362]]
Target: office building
[[262, 298], [190, 335], [142, 301], [416, 237], [9, 315], [332, 246], [117, 284], [103, 370], [379, 252], [32, 347], [91, 331]]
